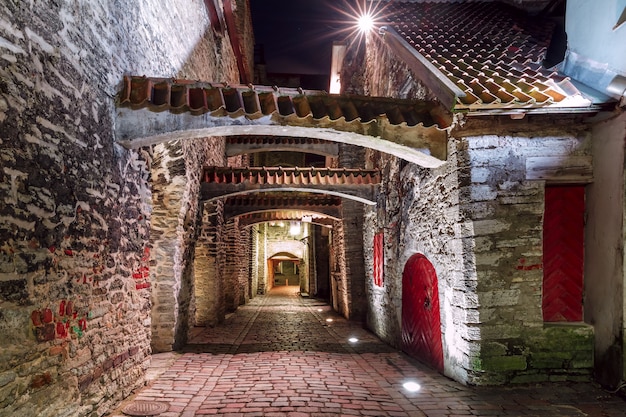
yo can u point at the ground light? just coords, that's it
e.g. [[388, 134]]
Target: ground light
[[329, 320], [411, 386], [353, 340]]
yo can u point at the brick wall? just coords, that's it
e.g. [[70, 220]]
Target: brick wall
[[76, 266], [208, 283]]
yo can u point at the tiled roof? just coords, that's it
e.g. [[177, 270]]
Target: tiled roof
[[491, 51], [286, 176], [414, 130], [179, 95], [255, 208], [358, 184]]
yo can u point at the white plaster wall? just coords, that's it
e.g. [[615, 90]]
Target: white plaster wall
[[604, 268], [589, 26]]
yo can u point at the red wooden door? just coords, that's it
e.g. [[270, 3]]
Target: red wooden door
[[421, 322], [563, 253]]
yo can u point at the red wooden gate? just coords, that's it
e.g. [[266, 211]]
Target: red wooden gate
[[563, 243], [421, 322]]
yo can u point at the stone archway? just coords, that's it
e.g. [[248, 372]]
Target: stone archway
[[284, 268], [154, 110]]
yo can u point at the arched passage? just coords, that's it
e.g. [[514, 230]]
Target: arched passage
[[284, 268]]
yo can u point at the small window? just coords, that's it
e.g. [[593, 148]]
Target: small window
[[379, 259]]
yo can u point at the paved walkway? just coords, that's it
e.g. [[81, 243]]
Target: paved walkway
[[281, 355]]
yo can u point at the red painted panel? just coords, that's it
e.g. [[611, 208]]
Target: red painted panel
[[421, 321], [378, 259], [563, 253]]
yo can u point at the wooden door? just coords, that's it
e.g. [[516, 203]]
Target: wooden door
[[563, 253], [421, 321]]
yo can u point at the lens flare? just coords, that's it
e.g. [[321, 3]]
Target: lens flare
[[357, 19], [366, 23]]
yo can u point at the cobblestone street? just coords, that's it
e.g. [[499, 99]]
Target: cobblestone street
[[283, 355]]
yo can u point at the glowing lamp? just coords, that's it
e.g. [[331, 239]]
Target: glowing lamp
[[411, 386], [366, 22]]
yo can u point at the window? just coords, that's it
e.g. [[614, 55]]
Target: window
[[379, 259]]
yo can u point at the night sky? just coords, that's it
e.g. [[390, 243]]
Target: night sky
[[297, 34]]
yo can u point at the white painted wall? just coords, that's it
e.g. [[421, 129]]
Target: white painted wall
[[596, 50], [604, 246]]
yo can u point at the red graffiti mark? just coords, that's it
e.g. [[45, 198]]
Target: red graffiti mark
[[523, 267], [62, 308], [142, 285], [69, 308], [52, 249], [35, 317], [142, 274], [69, 252], [47, 315], [61, 330]]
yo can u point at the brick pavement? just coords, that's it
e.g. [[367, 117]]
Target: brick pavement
[[279, 356]]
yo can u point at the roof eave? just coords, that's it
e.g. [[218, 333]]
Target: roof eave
[[445, 90]]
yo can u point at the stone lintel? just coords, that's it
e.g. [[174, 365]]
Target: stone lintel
[[424, 146], [365, 194]]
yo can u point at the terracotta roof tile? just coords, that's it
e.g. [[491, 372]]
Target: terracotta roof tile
[[490, 50], [176, 95]]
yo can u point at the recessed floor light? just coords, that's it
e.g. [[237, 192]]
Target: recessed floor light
[[411, 386], [353, 340], [319, 309], [329, 320]]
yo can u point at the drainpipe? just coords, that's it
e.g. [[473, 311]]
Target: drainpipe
[[617, 88], [235, 42]]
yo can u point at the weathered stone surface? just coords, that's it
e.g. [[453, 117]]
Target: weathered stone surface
[[75, 209], [479, 220]]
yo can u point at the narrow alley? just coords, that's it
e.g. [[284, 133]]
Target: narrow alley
[[285, 355]]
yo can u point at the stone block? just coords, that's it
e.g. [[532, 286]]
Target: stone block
[[45, 333], [483, 193], [493, 349], [7, 377], [504, 363], [490, 227], [14, 291], [41, 380], [530, 378], [499, 298]]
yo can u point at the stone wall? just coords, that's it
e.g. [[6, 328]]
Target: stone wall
[[503, 213], [176, 226], [236, 265], [76, 266], [208, 283], [418, 212], [479, 220], [605, 299]]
